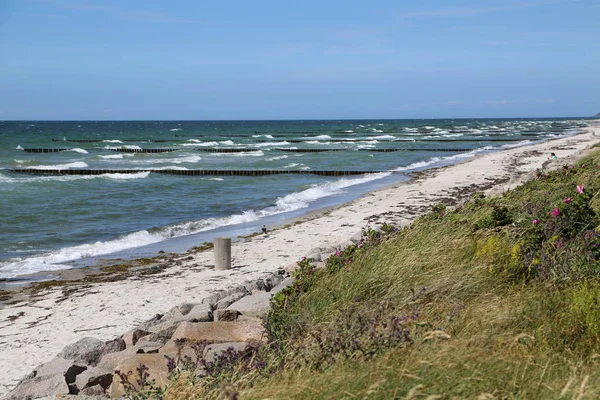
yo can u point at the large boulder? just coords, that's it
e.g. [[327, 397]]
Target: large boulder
[[68, 369], [156, 365], [113, 346], [92, 378], [131, 337], [256, 305], [87, 351], [38, 387], [212, 351], [184, 312], [282, 285], [232, 298], [220, 332], [227, 315]]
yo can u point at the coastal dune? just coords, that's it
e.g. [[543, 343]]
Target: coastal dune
[[35, 330]]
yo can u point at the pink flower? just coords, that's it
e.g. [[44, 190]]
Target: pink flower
[[555, 212], [338, 253], [535, 222], [580, 189], [567, 200]]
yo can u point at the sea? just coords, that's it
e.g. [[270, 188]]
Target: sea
[[131, 208]]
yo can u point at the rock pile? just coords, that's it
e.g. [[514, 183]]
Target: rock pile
[[87, 368], [230, 319]]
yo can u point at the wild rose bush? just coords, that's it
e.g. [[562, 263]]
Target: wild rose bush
[[558, 234]]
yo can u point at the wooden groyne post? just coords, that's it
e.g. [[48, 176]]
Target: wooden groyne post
[[222, 253]]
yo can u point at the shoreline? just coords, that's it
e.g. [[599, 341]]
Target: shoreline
[[35, 330], [94, 264]]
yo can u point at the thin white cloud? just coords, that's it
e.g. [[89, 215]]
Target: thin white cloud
[[116, 11], [466, 12]]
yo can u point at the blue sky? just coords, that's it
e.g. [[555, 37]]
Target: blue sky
[[194, 59]]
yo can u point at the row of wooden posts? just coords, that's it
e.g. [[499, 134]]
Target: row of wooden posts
[[244, 150], [188, 172]]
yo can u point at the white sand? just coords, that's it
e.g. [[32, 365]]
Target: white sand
[[107, 310]]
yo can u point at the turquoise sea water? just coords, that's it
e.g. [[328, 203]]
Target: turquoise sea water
[[51, 222]]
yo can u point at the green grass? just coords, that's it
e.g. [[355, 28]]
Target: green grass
[[479, 302]]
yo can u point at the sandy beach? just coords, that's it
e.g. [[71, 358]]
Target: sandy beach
[[35, 330]]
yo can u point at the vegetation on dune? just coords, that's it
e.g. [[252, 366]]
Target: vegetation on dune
[[497, 299]]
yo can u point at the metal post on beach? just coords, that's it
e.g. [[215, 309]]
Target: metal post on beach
[[222, 253]]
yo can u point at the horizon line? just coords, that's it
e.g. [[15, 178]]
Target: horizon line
[[286, 119]]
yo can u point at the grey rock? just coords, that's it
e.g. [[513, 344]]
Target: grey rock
[[212, 299], [93, 392], [147, 347], [199, 313], [275, 279], [227, 315], [131, 337], [68, 369], [102, 377], [40, 386], [163, 335], [185, 308], [193, 313], [151, 322], [357, 237], [256, 305], [282, 285], [314, 256], [87, 350], [232, 298], [57, 365], [215, 349], [112, 346]]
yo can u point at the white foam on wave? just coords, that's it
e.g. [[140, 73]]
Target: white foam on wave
[[227, 142], [322, 137], [518, 144], [175, 129], [137, 175], [300, 166], [132, 147], [114, 156], [57, 260], [77, 164], [19, 147], [277, 158], [112, 141], [438, 160], [256, 153], [196, 142], [70, 178], [170, 167], [21, 162], [189, 159], [265, 136], [78, 150], [382, 137], [269, 144], [376, 130]]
